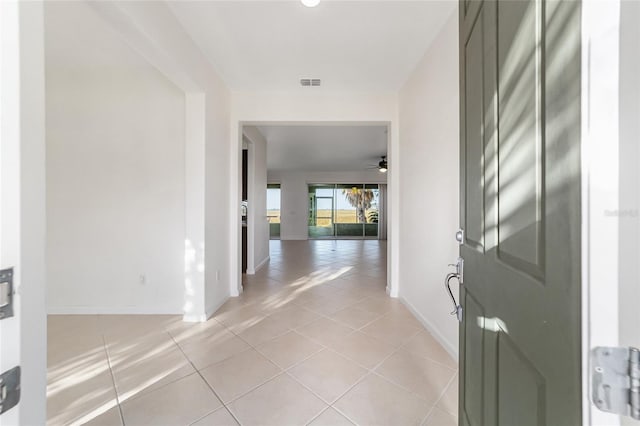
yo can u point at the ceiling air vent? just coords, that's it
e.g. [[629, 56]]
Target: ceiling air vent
[[307, 82]]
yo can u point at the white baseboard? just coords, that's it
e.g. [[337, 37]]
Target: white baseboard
[[260, 265], [294, 237], [134, 310], [113, 310], [452, 349], [195, 318], [392, 292]]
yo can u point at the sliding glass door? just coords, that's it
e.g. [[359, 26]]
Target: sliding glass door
[[343, 210], [321, 207], [273, 210]]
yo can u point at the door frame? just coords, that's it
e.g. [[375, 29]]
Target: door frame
[[23, 203], [393, 223], [600, 189]]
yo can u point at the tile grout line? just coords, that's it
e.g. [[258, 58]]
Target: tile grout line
[[404, 344], [441, 364], [268, 306], [370, 371], [360, 380], [285, 371], [446, 388], [318, 415], [398, 349], [113, 379], [167, 383], [208, 385], [282, 370]]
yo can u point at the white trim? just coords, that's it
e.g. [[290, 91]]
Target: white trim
[[452, 349], [393, 206], [23, 203], [293, 237], [391, 291], [237, 123], [114, 310], [600, 188], [260, 266], [251, 197], [235, 200], [194, 318], [135, 310]]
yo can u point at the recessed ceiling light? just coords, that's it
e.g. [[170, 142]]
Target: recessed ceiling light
[[310, 3]]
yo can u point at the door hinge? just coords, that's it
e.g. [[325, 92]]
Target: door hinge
[[6, 293], [615, 380], [9, 389]]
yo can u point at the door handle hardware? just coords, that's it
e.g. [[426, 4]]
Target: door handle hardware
[[459, 266], [457, 309], [9, 389], [460, 236]]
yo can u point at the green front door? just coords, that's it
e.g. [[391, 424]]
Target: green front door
[[520, 347]]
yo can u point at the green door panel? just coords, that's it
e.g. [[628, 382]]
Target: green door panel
[[520, 348]]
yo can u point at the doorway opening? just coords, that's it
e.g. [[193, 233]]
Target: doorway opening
[[285, 160], [245, 204]]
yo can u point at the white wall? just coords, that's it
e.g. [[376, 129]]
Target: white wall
[[294, 195], [115, 172], [152, 30], [308, 107], [429, 135], [257, 224]]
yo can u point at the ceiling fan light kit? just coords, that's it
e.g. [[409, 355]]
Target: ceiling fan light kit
[[382, 165], [310, 3]]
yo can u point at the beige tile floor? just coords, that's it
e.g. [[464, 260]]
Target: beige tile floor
[[313, 339]]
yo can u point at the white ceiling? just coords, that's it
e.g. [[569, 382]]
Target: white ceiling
[[350, 45], [324, 148]]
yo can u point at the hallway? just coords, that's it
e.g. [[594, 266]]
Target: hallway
[[313, 339]]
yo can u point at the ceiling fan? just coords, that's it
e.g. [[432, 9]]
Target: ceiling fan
[[382, 165]]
